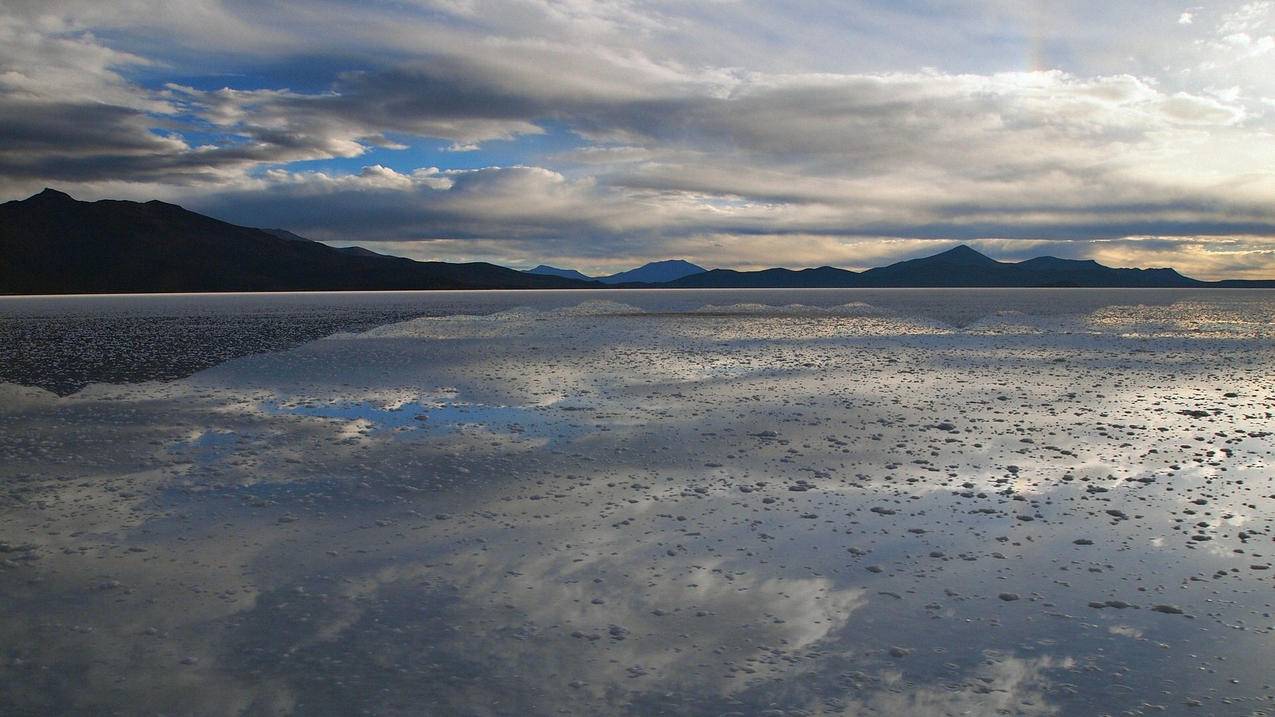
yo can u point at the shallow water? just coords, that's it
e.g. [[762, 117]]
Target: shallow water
[[818, 502], [64, 343]]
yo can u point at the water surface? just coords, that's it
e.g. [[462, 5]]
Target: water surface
[[706, 502]]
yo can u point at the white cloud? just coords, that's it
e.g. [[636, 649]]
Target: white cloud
[[1248, 17], [697, 125]]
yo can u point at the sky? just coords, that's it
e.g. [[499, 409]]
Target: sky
[[732, 133]]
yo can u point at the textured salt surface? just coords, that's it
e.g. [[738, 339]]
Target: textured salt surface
[[64, 343], [714, 507]]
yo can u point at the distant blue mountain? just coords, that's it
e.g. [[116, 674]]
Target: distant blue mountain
[[656, 272], [546, 270]]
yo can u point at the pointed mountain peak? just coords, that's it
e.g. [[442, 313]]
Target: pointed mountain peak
[[51, 195], [963, 253], [960, 249]]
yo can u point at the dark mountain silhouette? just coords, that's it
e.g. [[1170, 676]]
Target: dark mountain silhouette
[[959, 267], [352, 250], [546, 270], [283, 234], [820, 278], [656, 272], [53, 244]]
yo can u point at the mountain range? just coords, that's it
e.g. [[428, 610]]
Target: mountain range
[[51, 243], [960, 266], [656, 272]]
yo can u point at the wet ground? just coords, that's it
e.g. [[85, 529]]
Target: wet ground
[[871, 503]]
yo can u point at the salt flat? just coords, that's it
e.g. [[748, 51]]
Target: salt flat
[[922, 503]]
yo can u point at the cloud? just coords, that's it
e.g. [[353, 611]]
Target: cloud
[[668, 142], [1033, 155]]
